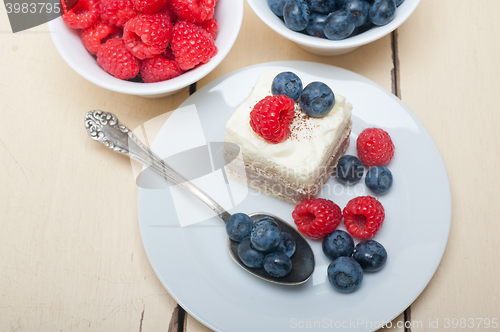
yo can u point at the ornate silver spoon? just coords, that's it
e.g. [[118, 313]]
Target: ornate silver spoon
[[105, 128]]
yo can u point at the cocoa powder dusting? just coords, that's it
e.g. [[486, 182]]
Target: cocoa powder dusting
[[301, 126]]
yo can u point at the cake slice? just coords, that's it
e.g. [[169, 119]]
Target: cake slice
[[297, 168]]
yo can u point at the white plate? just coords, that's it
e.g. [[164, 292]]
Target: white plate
[[193, 263]]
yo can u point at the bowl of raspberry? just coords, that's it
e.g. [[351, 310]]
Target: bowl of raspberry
[[149, 48], [333, 27]]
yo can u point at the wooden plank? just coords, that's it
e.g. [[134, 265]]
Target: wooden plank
[[449, 75], [71, 256], [373, 61], [193, 325], [70, 252]]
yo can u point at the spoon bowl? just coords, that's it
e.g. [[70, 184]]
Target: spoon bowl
[[302, 260], [105, 128]]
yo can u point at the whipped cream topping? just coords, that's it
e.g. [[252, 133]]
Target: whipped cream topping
[[310, 138]]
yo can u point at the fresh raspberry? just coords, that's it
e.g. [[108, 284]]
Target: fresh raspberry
[[211, 26], [375, 147], [157, 69], [194, 11], [167, 9], [117, 12], [93, 36], [363, 216], [149, 6], [82, 15], [147, 35], [271, 117], [191, 45], [317, 217], [116, 60]]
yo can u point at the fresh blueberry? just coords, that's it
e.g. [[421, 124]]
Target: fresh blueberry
[[296, 14], [365, 27], [370, 254], [249, 255], [359, 10], [379, 179], [349, 169], [339, 25], [338, 244], [316, 25], [276, 6], [382, 11], [265, 234], [340, 4], [399, 2], [345, 274], [277, 264], [288, 84], [286, 245], [321, 6], [239, 226], [317, 99]]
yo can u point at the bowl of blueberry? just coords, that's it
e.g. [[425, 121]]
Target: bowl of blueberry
[[333, 27]]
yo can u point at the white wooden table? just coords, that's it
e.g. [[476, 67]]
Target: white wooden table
[[71, 257]]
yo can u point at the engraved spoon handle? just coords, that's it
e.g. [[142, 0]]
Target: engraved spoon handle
[[105, 128]]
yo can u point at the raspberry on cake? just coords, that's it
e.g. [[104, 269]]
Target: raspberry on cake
[[296, 168], [271, 118]]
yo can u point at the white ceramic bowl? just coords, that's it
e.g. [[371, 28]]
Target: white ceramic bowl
[[322, 46], [229, 14]]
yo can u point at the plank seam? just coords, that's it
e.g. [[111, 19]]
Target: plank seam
[[396, 84], [142, 318], [192, 88], [396, 90], [173, 326], [407, 319], [180, 318]]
